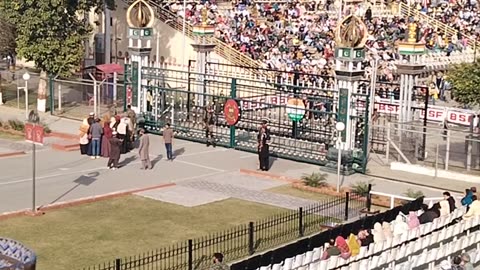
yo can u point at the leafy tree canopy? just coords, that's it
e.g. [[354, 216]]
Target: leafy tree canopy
[[50, 32], [8, 34], [465, 79]]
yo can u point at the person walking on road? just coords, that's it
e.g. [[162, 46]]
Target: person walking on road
[[168, 139], [115, 149], [96, 132], [143, 150]]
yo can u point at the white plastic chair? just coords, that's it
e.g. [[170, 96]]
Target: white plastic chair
[[313, 266], [317, 254], [287, 264], [332, 262], [268, 267], [277, 266], [323, 265], [308, 258], [298, 261]]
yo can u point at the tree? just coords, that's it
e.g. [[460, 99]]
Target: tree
[[8, 34], [51, 34], [465, 79]]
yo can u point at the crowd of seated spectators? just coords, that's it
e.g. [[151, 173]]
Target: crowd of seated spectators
[[291, 36], [345, 248]]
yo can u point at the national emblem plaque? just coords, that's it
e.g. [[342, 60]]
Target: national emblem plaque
[[231, 111]]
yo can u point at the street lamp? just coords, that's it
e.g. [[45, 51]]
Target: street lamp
[[340, 126], [26, 77]]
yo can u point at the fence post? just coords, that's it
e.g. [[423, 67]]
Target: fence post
[[233, 94], [118, 264], [347, 198], [369, 198], [52, 93], [251, 248], [190, 254], [447, 150], [300, 221]]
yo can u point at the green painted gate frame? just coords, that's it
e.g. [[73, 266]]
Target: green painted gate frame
[[232, 135]]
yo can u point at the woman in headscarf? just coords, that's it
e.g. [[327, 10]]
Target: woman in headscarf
[[387, 230], [378, 235], [107, 135], [343, 247], [84, 142], [331, 250], [353, 245], [399, 227], [413, 221]]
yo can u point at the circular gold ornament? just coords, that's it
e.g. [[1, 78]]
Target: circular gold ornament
[[140, 15], [351, 32]]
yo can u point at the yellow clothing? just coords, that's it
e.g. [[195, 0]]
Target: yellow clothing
[[353, 245]]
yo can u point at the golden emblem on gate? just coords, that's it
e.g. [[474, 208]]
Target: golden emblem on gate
[[140, 15]]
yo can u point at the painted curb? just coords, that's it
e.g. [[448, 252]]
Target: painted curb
[[65, 147], [62, 135], [41, 209], [267, 175], [12, 154]]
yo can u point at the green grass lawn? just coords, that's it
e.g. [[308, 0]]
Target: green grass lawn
[[80, 236], [295, 192]]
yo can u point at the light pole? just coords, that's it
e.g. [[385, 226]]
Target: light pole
[[26, 77], [340, 126]]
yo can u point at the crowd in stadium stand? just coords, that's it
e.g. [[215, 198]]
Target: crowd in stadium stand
[[291, 36]]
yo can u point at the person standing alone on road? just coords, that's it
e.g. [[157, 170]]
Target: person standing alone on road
[[209, 125], [115, 145], [263, 147], [168, 139], [96, 132], [143, 150]]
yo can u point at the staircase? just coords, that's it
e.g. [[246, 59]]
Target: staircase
[[408, 11], [222, 49]]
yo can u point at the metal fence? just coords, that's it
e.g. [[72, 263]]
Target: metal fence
[[244, 240], [76, 98], [453, 148]]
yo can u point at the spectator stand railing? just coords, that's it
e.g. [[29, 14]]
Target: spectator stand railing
[[397, 199], [409, 11], [244, 240]]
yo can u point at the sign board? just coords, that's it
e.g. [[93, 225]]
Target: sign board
[[295, 109], [34, 133], [383, 106]]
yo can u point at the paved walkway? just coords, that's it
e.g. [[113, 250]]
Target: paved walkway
[[64, 176]]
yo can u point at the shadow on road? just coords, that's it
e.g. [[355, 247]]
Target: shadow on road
[[83, 180]]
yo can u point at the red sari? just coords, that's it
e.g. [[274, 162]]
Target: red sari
[[107, 135]]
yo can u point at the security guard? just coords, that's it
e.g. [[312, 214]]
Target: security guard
[[263, 139], [209, 125]]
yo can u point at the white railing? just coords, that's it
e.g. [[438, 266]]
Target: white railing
[[429, 201]]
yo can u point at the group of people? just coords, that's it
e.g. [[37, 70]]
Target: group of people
[[108, 137], [346, 248]]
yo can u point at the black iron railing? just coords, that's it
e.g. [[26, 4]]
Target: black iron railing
[[245, 240]]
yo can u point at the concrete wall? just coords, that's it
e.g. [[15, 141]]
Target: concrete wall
[[167, 42]]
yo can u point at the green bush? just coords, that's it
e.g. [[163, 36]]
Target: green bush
[[315, 179], [410, 193], [16, 125], [361, 187], [46, 129]]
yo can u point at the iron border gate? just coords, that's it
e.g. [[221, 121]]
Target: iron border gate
[[181, 98]]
